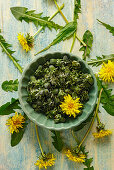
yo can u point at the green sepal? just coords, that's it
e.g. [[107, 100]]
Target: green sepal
[[9, 107], [77, 9]]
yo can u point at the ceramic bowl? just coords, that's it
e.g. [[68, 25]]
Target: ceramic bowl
[[39, 118]]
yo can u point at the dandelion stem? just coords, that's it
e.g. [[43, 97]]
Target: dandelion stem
[[61, 12], [39, 140], [40, 29], [98, 119], [81, 41], [75, 137], [97, 107], [66, 23]]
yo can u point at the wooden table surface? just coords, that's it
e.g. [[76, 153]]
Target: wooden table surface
[[24, 155]]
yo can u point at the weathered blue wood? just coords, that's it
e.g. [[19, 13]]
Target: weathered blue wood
[[24, 155]]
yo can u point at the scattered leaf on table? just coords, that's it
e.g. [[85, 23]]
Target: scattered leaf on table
[[58, 143], [9, 107], [88, 40], [6, 49], [106, 98], [99, 60], [10, 85], [22, 13], [107, 26], [65, 33]]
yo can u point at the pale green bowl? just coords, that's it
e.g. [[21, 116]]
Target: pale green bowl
[[39, 118]]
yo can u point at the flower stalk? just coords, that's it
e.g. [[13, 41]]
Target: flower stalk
[[98, 119], [96, 112], [61, 12], [74, 38], [39, 141]]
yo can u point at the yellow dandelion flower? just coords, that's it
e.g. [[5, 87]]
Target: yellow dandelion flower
[[79, 158], [71, 107], [15, 122], [23, 41], [106, 73], [102, 133], [45, 161]]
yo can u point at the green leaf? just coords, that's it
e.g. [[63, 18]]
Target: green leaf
[[106, 98], [88, 40], [57, 143], [6, 49], [65, 33], [88, 161], [77, 9], [10, 85], [107, 26], [99, 60], [90, 168], [22, 13], [9, 107], [16, 137]]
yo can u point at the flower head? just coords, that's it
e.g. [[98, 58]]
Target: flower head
[[26, 42], [102, 133], [80, 158], [106, 73], [15, 122], [71, 107], [45, 161]]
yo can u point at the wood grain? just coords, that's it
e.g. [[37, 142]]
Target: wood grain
[[23, 156]]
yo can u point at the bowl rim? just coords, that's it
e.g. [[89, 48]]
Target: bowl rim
[[23, 105]]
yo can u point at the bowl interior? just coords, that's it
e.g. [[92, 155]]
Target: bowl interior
[[39, 118]]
